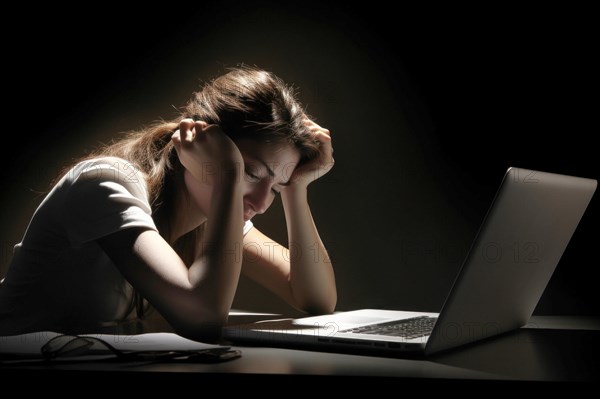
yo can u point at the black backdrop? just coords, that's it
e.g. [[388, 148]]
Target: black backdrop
[[428, 108]]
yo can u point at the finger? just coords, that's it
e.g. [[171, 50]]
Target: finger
[[314, 127], [201, 126], [325, 149], [322, 136], [186, 133], [326, 144], [310, 123], [186, 123], [176, 139]]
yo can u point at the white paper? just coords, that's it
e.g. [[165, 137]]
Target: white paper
[[31, 344]]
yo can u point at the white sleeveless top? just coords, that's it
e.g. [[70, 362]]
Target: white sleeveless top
[[59, 278]]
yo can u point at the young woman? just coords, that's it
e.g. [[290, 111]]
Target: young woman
[[164, 216]]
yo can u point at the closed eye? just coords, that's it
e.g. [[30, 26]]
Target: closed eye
[[250, 174]]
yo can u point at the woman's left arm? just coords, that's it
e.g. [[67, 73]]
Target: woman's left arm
[[302, 275], [311, 277]]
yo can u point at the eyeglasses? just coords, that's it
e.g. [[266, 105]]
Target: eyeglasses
[[76, 346]]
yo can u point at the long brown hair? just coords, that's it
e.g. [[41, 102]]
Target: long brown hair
[[246, 102]]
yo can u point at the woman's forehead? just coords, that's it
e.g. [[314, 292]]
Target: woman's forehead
[[275, 153]]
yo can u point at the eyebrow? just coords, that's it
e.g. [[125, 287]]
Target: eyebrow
[[271, 173]]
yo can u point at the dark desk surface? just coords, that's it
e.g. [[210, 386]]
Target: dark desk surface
[[551, 348]]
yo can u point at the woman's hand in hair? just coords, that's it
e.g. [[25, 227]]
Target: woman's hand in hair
[[312, 170], [207, 152]]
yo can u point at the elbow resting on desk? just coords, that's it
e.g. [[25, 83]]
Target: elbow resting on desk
[[319, 309], [202, 326], [317, 306]]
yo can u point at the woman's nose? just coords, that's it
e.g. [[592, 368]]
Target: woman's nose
[[259, 199]]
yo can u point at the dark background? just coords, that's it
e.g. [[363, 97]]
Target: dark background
[[428, 108]]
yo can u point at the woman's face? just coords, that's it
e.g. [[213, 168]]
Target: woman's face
[[267, 169]]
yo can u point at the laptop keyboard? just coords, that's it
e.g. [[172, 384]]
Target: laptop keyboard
[[415, 327]]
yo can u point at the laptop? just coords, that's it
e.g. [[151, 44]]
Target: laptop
[[519, 244]]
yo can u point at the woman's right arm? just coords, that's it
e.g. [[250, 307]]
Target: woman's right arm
[[195, 300]]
